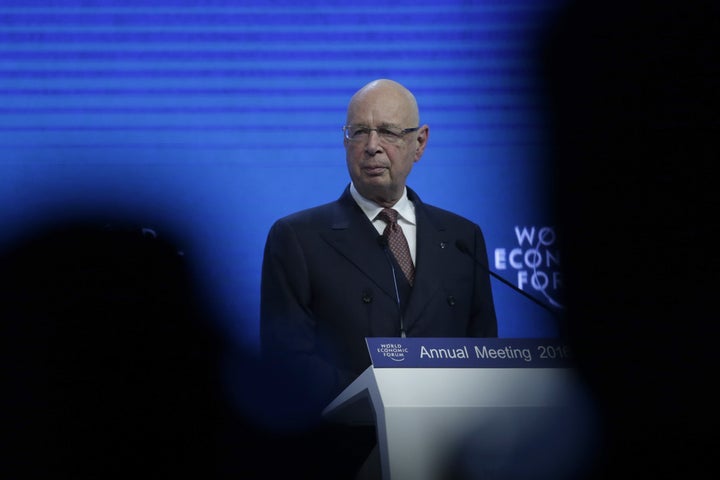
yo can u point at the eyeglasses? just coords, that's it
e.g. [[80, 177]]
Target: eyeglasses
[[361, 133]]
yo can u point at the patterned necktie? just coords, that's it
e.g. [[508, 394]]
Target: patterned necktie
[[398, 243]]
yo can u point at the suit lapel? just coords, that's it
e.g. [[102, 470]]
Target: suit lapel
[[354, 237], [432, 242]]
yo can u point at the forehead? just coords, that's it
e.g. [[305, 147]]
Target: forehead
[[379, 107]]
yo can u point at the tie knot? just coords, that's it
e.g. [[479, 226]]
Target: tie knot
[[388, 215]]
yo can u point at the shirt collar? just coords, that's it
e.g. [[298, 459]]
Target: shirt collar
[[404, 206]]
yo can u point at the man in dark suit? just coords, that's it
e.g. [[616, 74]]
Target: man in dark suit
[[329, 279]]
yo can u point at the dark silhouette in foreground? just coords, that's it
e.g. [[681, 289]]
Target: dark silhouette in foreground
[[113, 366], [632, 95]]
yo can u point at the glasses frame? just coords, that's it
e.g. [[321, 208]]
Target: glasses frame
[[401, 133]]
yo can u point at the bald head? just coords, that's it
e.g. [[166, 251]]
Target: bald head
[[396, 99], [378, 162]]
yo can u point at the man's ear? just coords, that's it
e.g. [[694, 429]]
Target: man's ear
[[422, 138]]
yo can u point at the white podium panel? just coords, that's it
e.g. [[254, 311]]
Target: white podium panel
[[426, 416]]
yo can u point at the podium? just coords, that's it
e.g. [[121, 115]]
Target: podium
[[439, 402]]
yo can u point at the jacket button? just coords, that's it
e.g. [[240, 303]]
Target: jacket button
[[451, 301], [367, 297]]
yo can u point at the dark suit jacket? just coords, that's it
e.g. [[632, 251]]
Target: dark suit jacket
[[327, 284]]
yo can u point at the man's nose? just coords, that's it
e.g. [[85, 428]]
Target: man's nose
[[373, 142]]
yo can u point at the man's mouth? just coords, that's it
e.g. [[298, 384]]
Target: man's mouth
[[374, 170]]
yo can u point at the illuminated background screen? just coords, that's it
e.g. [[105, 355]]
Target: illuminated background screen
[[215, 118]]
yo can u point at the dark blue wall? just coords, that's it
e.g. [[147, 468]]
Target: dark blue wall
[[212, 119]]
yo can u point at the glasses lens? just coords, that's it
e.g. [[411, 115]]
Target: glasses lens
[[358, 133], [389, 135]]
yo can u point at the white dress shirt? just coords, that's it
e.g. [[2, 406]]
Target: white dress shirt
[[406, 216]]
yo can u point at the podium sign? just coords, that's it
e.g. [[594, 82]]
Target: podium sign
[[428, 396], [416, 352]]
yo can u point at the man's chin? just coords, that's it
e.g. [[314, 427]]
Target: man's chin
[[380, 192], [373, 186]]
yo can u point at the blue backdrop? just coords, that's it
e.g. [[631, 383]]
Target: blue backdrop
[[210, 119]]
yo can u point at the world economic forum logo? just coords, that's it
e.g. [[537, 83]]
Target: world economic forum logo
[[534, 262], [394, 351]]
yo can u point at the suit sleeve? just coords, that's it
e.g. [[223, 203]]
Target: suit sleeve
[[288, 327]]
